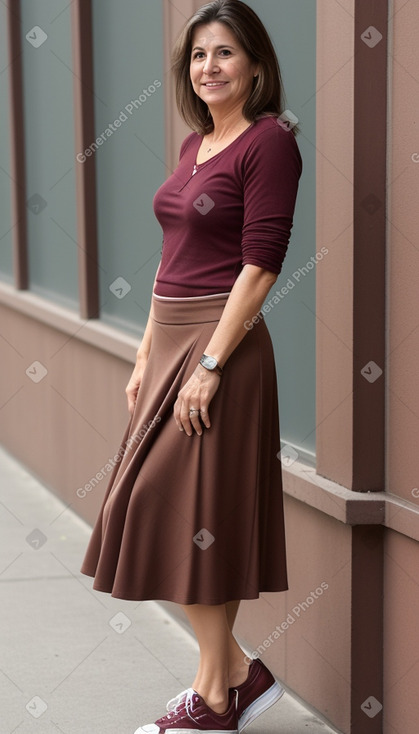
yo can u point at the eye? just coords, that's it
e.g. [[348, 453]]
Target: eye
[[225, 51], [197, 53]]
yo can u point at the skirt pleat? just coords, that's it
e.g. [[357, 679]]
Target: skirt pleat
[[195, 520]]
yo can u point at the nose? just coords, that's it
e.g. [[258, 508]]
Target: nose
[[210, 65]]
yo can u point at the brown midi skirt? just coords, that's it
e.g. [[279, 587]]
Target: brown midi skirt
[[195, 519]]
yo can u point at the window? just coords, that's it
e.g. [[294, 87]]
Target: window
[[6, 225], [49, 150], [292, 323], [130, 162]]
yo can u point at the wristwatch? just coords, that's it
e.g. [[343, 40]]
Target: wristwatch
[[211, 364]]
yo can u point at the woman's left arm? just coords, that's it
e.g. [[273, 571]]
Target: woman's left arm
[[245, 300]]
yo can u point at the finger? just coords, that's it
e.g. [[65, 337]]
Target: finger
[[205, 417], [131, 403], [185, 420], [176, 415], [195, 421]]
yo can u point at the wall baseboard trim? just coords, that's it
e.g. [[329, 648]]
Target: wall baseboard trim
[[352, 508]]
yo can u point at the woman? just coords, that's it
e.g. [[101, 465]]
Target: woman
[[193, 514]]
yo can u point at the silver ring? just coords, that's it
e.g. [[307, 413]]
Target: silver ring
[[193, 410]]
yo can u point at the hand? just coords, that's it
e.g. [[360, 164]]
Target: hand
[[196, 394], [135, 382]]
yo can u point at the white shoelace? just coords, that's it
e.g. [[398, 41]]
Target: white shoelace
[[182, 699], [185, 700], [174, 702]]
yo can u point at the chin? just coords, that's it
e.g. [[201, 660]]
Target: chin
[[212, 96]]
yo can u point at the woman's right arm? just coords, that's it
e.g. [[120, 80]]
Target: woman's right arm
[[141, 361]]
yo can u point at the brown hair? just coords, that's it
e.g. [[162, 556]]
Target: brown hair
[[267, 94]]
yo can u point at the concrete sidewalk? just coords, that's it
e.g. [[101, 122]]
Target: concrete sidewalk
[[77, 661]]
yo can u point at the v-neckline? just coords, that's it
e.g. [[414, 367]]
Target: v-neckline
[[198, 166]]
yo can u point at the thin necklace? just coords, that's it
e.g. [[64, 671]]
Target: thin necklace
[[210, 148], [195, 168]]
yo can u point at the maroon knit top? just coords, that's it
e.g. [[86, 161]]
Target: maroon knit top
[[237, 208]]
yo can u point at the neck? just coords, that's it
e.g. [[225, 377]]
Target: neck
[[226, 122]]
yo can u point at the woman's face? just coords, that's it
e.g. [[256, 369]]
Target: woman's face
[[220, 69]]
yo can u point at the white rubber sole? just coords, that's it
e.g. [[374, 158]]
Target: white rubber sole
[[265, 701]]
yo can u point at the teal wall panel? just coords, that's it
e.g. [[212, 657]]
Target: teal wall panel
[[129, 76], [6, 258], [292, 322], [49, 146]]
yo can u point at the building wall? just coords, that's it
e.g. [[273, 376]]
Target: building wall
[[352, 555], [401, 551], [64, 426]]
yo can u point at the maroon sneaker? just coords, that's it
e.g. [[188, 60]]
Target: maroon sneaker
[[193, 715], [256, 694], [259, 691]]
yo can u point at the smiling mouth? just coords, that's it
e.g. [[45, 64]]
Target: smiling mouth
[[213, 85]]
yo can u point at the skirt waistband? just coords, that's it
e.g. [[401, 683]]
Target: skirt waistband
[[197, 310], [190, 298]]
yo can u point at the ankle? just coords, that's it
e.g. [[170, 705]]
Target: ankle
[[215, 699], [216, 703], [238, 674]]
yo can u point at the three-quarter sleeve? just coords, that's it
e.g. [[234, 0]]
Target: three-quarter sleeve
[[271, 171]]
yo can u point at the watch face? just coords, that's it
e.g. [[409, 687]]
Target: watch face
[[209, 362]]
